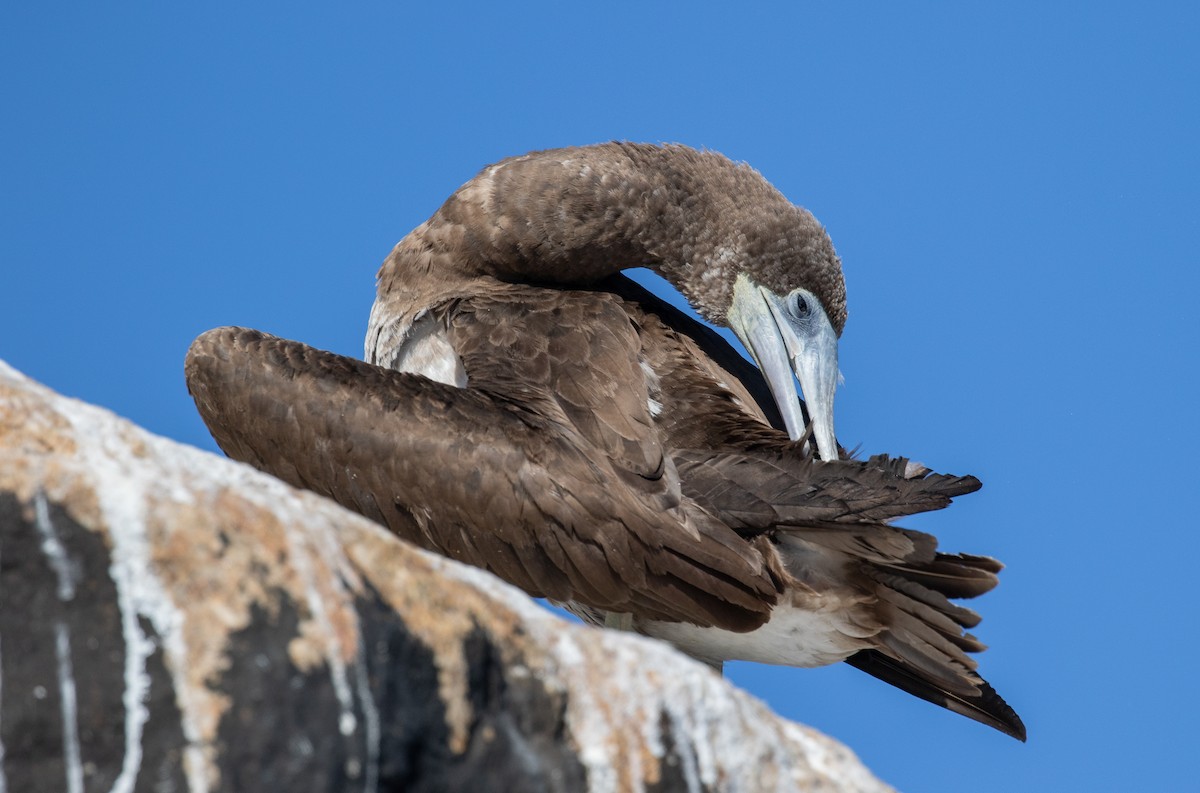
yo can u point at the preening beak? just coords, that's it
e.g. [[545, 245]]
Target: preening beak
[[784, 342]]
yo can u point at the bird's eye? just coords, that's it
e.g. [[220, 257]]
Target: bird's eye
[[799, 305]]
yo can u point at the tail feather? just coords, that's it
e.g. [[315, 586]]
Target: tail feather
[[911, 646], [960, 615], [923, 650], [982, 703], [945, 626], [954, 575]]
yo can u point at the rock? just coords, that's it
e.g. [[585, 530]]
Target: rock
[[171, 620]]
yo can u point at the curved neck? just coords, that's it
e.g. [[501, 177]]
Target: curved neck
[[567, 216], [577, 215]]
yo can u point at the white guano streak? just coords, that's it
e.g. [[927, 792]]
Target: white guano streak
[[66, 687], [343, 579], [137, 649], [370, 716], [302, 564], [64, 572], [121, 480], [53, 549]]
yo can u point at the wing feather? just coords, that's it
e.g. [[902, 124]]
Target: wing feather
[[561, 518]]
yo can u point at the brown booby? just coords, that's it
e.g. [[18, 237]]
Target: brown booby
[[527, 409]]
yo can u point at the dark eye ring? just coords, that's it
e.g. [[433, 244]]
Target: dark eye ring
[[799, 305]]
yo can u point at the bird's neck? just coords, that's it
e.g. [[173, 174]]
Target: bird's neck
[[572, 217]]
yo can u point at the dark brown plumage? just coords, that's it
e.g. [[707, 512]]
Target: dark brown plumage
[[593, 446]]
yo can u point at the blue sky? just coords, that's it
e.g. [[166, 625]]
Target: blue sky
[[1014, 191]]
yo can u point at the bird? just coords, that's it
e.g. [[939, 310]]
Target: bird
[[525, 407]]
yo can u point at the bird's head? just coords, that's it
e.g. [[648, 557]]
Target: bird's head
[[786, 301]]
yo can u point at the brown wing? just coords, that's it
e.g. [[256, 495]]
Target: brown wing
[[539, 471]]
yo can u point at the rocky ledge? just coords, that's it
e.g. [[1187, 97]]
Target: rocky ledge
[[171, 620]]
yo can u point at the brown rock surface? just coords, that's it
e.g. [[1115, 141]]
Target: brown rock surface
[[171, 620]]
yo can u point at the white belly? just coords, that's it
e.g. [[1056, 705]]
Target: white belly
[[792, 637]]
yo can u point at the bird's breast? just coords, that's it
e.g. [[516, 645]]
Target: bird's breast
[[426, 350]]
